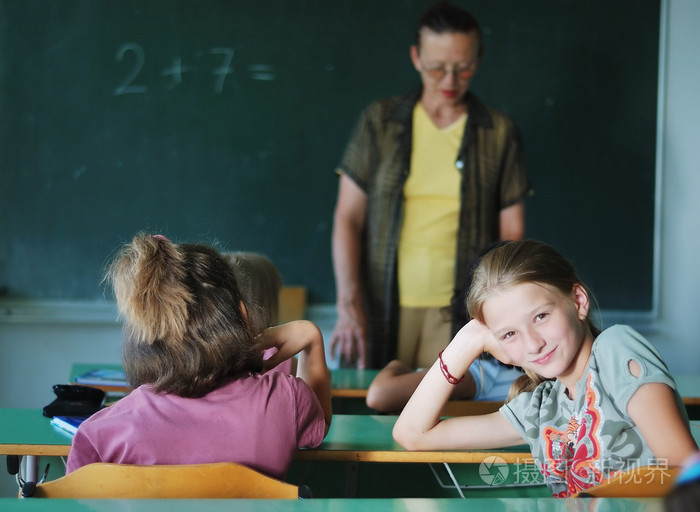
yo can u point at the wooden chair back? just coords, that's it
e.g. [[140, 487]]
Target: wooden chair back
[[292, 303], [641, 482], [192, 481]]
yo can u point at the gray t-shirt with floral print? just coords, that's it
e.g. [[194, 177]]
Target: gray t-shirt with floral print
[[578, 443]]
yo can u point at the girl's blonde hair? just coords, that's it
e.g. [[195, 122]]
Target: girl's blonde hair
[[185, 332], [518, 262]]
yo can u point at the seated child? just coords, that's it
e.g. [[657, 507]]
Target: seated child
[[260, 283], [590, 404], [200, 394]]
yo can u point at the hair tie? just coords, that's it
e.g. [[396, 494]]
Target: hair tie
[[161, 237], [450, 378]]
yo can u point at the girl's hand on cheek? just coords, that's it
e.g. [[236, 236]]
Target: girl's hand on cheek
[[469, 343], [473, 334], [494, 346]]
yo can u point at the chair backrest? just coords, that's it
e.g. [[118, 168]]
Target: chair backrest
[[216, 480], [292, 303], [641, 482]]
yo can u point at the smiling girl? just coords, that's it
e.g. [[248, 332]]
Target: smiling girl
[[591, 403]]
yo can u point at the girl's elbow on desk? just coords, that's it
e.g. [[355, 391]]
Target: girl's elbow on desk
[[409, 438], [407, 442]]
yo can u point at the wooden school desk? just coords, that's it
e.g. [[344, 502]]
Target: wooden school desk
[[689, 388], [356, 439], [367, 438], [334, 505], [351, 438], [28, 432], [351, 383]]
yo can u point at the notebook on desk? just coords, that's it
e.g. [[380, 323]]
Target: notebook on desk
[[68, 424]]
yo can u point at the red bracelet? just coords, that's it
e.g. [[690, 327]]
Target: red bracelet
[[450, 378]]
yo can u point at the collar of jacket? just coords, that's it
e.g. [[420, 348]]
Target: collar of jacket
[[403, 110]]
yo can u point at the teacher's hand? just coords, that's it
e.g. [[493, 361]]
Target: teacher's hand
[[349, 336]]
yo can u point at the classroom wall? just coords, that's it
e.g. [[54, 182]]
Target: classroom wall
[[675, 330], [38, 344]]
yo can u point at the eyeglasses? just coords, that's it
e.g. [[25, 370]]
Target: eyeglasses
[[439, 72]]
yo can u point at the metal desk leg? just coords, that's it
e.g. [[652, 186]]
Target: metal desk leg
[[31, 468]]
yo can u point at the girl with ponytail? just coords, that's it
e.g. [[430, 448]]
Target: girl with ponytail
[[202, 392]]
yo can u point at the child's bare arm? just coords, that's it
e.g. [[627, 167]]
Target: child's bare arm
[[304, 338], [653, 409], [392, 387], [395, 383]]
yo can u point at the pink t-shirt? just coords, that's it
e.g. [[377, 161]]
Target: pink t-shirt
[[258, 421]]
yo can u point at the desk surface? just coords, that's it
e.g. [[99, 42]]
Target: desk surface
[[335, 505], [27, 432], [351, 382], [358, 437]]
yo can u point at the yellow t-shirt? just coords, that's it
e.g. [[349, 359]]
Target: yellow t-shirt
[[428, 239]]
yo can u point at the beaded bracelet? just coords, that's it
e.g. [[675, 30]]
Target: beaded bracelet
[[450, 378]]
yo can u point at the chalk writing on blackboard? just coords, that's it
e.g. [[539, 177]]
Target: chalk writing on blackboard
[[176, 71], [262, 72], [137, 59], [224, 69], [126, 86]]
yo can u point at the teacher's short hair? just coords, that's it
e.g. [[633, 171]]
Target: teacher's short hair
[[444, 17]]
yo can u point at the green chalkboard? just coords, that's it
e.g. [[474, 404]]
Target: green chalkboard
[[221, 121]]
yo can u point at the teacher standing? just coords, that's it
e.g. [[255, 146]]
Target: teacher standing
[[427, 180]]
